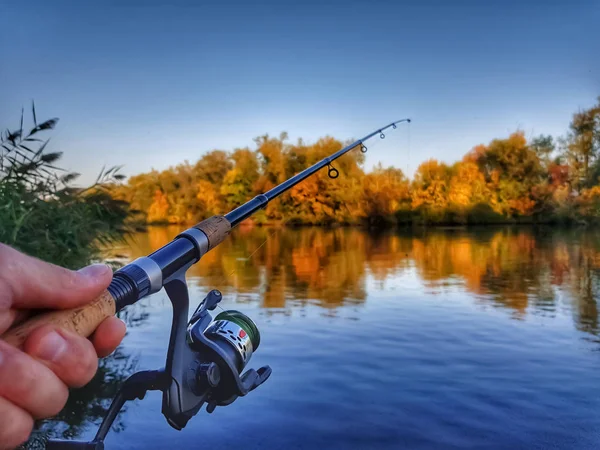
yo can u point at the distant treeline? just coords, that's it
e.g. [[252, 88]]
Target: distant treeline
[[508, 180]]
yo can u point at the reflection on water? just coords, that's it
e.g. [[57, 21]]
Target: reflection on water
[[524, 270], [88, 405], [459, 339]]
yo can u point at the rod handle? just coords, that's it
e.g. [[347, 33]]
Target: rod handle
[[216, 229], [82, 320]]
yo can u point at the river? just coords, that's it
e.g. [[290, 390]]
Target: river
[[454, 338]]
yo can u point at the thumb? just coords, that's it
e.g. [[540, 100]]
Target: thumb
[[27, 282]]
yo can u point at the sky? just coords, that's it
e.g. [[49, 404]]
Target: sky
[[150, 84]]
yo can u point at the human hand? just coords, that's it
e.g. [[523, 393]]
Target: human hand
[[34, 381]]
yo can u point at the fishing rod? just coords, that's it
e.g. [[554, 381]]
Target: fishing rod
[[206, 356]]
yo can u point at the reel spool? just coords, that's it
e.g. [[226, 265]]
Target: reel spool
[[239, 332]]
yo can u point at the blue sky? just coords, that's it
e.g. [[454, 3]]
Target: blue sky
[[151, 84]]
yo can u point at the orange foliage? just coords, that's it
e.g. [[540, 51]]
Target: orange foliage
[[430, 189], [508, 179], [589, 201], [468, 186], [159, 209], [385, 191]]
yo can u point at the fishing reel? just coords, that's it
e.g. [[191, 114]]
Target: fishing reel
[[205, 364]]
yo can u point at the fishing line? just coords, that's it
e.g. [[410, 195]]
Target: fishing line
[[408, 156], [245, 260]]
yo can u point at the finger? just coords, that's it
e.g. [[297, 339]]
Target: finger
[[71, 357], [11, 318], [108, 336], [7, 318], [16, 425], [29, 384], [27, 282]]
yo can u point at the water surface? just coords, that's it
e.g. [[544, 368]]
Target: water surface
[[443, 339]]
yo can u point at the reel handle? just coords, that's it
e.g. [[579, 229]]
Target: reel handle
[[254, 378]]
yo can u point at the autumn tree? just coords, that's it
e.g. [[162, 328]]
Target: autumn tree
[[468, 187], [582, 146], [321, 200], [511, 168], [430, 190], [544, 147], [385, 192], [272, 155], [239, 181], [272, 160], [139, 191], [213, 166], [159, 209]]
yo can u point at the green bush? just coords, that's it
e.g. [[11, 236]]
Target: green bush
[[42, 213], [483, 214]]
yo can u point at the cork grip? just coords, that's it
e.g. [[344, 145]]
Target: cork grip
[[216, 229], [82, 320]]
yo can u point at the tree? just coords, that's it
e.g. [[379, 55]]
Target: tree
[[468, 187], [212, 167], [511, 168], [430, 190], [582, 145], [272, 160], [239, 181], [159, 209], [544, 147], [385, 191]]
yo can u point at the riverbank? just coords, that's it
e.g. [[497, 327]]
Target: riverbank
[[387, 224]]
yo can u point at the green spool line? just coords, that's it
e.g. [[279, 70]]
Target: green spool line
[[244, 322]]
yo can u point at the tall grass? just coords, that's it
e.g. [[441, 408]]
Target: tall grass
[[42, 213]]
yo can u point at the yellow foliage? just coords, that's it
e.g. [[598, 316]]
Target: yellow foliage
[[159, 209], [384, 191], [430, 187], [589, 202], [468, 186], [209, 197], [494, 182]]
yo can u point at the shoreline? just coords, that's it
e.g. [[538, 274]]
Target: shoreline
[[391, 226]]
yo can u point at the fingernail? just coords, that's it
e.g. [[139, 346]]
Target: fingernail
[[52, 347], [94, 271]]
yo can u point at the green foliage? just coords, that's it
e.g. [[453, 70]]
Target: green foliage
[[42, 214], [544, 147], [482, 213]]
